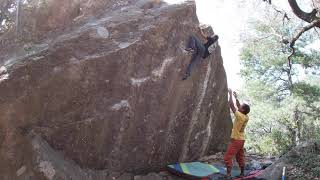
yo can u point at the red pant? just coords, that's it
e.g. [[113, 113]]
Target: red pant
[[235, 148]]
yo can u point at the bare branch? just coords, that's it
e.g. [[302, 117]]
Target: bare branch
[[275, 32], [267, 36], [266, 130], [297, 36], [283, 89], [278, 78], [285, 15], [310, 114], [308, 17], [259, 39], [289, 57], [317, 32]]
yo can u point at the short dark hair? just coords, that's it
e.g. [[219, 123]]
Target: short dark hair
[[246, 108]]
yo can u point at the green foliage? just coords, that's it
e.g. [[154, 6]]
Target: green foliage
[[316, 171], [308, 161], [308, 92], [285, 103]]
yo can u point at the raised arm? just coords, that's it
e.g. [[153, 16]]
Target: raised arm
[[231, 101], [202, 34], [237, 101]]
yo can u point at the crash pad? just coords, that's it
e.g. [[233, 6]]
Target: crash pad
[[203, 171], [250, 175], [193, 170], [234, 172]]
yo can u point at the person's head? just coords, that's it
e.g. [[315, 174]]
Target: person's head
[[244, 108], [207, 29]]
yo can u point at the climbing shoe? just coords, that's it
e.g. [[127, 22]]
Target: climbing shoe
[[190, 50]]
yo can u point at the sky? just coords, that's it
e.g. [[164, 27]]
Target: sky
[[227, 20]]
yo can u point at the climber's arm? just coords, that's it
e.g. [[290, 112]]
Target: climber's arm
[[202, 34], [231, 104], [237, 101]]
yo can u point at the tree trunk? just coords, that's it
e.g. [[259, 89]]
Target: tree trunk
[[297, 121], [293, 135]]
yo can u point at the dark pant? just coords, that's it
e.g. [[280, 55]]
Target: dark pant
[[199, 49], [235, 148]]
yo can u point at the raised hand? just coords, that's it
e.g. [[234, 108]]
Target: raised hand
[[235, 94]]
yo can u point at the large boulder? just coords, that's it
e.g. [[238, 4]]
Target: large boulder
[[107, 94]]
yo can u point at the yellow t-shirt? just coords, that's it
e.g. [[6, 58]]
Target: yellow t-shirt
[[239, 124]]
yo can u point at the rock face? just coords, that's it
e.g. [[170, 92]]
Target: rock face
[[107, 94]]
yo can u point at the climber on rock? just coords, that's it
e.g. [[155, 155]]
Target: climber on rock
[[199, 50], [235, 147]]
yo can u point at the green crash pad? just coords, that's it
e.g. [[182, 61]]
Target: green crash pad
[[193, 170], [234, 172]]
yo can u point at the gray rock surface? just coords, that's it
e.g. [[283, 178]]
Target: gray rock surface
[[107, 93]]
